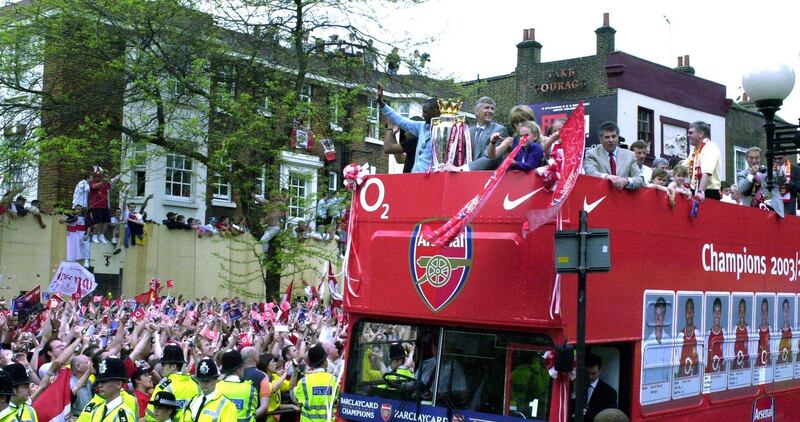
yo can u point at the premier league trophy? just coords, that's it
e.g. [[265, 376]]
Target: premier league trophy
[[450, 136]]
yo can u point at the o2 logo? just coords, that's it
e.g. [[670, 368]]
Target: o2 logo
[[378, 203]]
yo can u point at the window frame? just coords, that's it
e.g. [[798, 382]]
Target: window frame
[[650, 138], [307, 164], [373, 120], [334, 106], [736, 151], [170, 181], [139, 168], [333, 182], [668, 121]]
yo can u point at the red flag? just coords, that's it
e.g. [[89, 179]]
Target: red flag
[[77, 295], [138, 314], [268, 315], [567, 160], [336, 296], [207, 333], [34, 324], [106, 303], [54, 403], [170, 283], [449, 230], [287, 297], [33, 296], [143, 299]]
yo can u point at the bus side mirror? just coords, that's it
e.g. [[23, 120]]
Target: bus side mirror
[[564, 358]]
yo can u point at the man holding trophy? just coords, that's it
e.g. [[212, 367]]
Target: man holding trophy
[[446, 143], [422, 130], [481, 133]]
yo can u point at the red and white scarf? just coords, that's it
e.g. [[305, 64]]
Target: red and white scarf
[[694, 164]]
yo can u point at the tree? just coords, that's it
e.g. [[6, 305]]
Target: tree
[[222, 82]]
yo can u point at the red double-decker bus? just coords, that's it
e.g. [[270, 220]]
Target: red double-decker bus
[[697, 318]]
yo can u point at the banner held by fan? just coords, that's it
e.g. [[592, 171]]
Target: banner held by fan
[[570, 153]]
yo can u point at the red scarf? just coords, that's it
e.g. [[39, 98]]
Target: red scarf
[[694, 164]]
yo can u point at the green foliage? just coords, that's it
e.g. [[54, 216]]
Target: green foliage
[[100, 79]]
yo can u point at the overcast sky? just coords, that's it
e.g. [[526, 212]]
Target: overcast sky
[[723, 39]]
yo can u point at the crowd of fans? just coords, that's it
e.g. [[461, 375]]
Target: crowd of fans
[[165, 348]]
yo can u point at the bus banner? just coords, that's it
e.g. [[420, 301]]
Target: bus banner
[[355, 407], [764, 409]]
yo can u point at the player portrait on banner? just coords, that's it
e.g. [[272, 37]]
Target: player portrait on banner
[[740, 372], [688, 345], [765, 314], [716, 322], [688, 359], [657, 343], [784, 369]]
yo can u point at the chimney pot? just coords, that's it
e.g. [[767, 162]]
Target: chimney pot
[[680, 61], [605, 19], [524, 35], [686, 60], [532, 34]]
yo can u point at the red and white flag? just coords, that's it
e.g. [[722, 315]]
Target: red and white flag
[[333, 285], [138, 314], [54, 403], [170, 283]]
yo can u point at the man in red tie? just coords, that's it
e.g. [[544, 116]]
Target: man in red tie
[[611, 162]]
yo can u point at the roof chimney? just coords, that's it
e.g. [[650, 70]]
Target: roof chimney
[[683, 65], [529, 51], [605, 37]]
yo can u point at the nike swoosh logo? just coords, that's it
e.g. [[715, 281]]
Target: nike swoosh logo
[[510, 205], [589, 207]]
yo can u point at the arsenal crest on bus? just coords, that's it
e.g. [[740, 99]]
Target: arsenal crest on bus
[[386, 411], [439, 273]]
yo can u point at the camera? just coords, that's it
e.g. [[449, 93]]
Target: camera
[[762, 169]]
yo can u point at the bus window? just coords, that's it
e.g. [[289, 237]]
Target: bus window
[[496, 373], [530, 384], [478, 368], [370, 358]]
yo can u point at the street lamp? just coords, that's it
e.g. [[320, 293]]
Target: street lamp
[[768, 86]]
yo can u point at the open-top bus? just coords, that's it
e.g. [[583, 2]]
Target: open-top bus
[[696, 319]]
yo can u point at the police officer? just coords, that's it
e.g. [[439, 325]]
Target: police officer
[[22, 391], [181, 385], [315, 392], [98, 400], [8, 411], [110, 377], [165, 407], [242, 393], [210, 405]]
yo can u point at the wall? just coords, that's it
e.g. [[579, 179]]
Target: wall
[[743, 126], [208, 266], [627, 106]]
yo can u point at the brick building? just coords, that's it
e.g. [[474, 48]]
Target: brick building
[[648, 101], [181, 184]]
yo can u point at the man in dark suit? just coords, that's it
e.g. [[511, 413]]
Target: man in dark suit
[[601, 395], [480, 135], [611, 162]]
